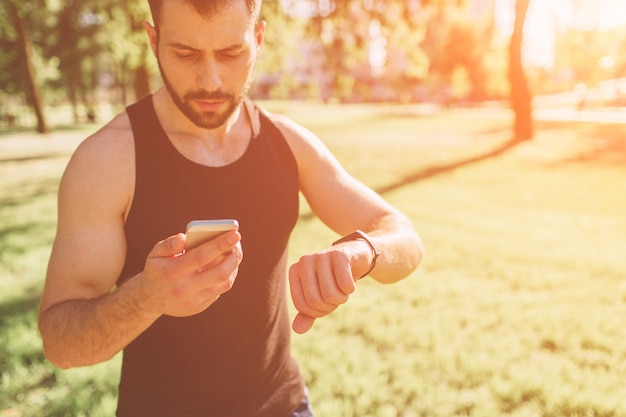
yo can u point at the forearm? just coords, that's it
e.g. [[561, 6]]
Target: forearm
[[400, 246], [86, 332], [319, 282]]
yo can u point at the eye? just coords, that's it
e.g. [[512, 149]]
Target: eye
[[230, 54], [186, 56]]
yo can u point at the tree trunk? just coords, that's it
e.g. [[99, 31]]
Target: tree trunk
[[520, 93], [32, 89]]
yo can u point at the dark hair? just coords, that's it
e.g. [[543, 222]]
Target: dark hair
[[204, 7]]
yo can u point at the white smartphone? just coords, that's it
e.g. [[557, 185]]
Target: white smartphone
[[200, 231]]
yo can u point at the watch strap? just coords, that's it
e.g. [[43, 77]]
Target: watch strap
[[360, 235]]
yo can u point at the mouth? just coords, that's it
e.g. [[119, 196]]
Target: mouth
[[209, 105]]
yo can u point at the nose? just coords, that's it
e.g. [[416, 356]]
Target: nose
[[209, 76]]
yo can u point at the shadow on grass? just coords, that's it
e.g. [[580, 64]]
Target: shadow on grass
[[605, 144], [429, 172], [35, 229], [21, 306], [38, 157], [601, 143], [5, 132], [29, 192]]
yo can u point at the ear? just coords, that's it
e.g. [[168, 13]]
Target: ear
[[259, 32], [152, 36]]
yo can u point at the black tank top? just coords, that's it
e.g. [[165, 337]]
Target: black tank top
[[233, 359]]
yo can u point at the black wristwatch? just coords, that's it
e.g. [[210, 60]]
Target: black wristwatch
[[359, 235]]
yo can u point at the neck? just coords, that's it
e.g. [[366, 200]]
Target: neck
[[175, 122], [212, 147]]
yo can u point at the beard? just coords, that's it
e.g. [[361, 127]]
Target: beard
[[206, 119]]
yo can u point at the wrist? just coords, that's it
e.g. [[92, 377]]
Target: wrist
[[359, 235], [139, 298]]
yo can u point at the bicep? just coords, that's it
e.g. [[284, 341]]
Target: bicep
[[339, 200], [84, 264], [336, 197], [89, 249]]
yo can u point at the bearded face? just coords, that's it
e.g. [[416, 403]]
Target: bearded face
[[207, 62]]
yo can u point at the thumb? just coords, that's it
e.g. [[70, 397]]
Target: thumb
[[172, 246], [302, 324]]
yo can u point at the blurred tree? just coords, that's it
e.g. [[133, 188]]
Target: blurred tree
[[456, 41], [77, 50], [366, 41], [404, 29], [80, 48], [581, 52], [578, 53], [281, 44], [101, 46], [520, 93], [10, 81], [16, 39], [131, 60], [336, 25]]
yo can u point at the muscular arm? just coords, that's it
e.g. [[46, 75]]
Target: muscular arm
[[321, 281], [344, 204], [88, 252], [85, 328], [79, 332], [83, 318]]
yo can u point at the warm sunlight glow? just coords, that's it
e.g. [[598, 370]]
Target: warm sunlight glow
[[547, 18]]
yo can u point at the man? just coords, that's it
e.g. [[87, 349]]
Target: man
[[206, 332]]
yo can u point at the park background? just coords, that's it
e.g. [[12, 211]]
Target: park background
[[506, 147]]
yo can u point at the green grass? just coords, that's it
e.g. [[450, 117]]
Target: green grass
[[517, 309]]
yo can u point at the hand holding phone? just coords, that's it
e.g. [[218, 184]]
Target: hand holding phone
[[200, 231]]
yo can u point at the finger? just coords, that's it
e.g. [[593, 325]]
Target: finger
[[220, 277], [213, 287], [316, 275], [305, 291], [221, 242], [345, 280], [295, 288], [172, 246], [336, 281], [302, 323], [209, 252]]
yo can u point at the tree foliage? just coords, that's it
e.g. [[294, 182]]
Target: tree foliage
[[77, 47], [279, 46], [363, 39], [101, 43], [19, 41], [455, 42], [89, 51], [421, 41]]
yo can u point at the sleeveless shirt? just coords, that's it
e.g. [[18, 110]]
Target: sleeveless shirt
[[233, 359]]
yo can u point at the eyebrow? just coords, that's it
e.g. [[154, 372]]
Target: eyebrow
[[178, 45]]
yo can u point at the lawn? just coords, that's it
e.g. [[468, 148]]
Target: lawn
[[517, 309]]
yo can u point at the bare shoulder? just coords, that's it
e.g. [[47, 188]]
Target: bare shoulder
[[103, 164], [115, 139], [292, 130], [94, 198], [340, 200], [304, 144]]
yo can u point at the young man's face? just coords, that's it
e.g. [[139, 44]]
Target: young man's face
[[207, 63]]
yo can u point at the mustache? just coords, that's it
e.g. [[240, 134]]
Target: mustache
[[206, 95]]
